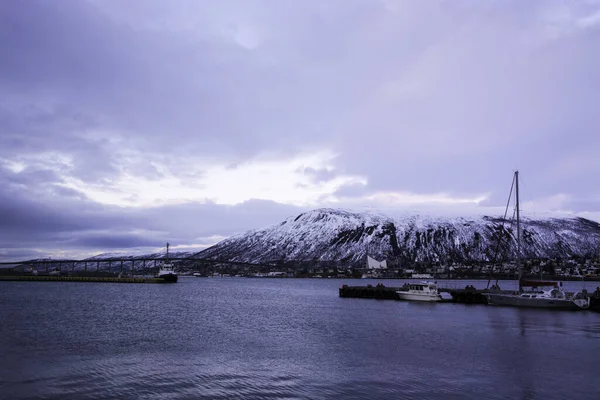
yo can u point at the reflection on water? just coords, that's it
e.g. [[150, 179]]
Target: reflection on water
[[282, 338], [545, 352]]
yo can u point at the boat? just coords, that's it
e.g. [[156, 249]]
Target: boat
[[167, 270], [532, 293], [539, 294], [423, 291]]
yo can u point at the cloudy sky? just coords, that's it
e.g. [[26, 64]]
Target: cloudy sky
[[124, 124]]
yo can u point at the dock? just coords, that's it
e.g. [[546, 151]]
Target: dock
[[468, 295], [369, 292], [109, 279]]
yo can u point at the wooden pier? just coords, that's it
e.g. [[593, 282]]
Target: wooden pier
[[109, 279], [468, 295], [369, 292]]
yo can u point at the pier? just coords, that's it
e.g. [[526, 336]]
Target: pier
[[468, 295], [369, 292], [110, 279]]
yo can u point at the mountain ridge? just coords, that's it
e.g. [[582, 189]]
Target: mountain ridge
[[337, 235]]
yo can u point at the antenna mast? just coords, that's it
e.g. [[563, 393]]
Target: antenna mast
[[518, 228]]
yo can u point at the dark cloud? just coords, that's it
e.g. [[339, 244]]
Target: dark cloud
[[145, 82], [75, 225], [113, 240]]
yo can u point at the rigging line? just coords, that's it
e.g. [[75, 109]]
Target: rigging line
[[512, 186], [512, 223]]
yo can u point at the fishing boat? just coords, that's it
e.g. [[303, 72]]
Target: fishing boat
[[167, 270], [532, 293], [423, 291]]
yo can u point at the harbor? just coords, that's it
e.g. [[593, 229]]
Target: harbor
[[467, 295]]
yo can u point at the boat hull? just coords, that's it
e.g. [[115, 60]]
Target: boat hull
[[168, 278], [418, 297], [518, 301]]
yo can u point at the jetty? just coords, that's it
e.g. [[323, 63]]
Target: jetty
[[109, 279], [466, 295]]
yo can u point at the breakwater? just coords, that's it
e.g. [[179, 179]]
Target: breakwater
[[109, 279]]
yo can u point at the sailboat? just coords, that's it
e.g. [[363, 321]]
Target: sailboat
[[536, 294], [167, 270]]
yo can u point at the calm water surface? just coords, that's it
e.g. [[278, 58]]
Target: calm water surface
[[282, 338]]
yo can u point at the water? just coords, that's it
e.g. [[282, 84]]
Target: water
[[282, 338]]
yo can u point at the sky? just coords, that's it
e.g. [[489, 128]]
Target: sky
[[126, 124]]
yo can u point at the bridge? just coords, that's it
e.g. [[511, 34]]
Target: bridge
[[111, 264]]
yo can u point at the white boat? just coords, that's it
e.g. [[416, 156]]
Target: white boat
[[535, 294], [167, 270], [539, 294], [423, 291]]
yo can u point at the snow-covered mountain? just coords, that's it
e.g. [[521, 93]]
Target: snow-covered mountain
[[348, 237]]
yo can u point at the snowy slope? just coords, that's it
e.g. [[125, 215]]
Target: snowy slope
[[338, 235]]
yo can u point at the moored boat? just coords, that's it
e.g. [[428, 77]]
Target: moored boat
[[167, 270], [539, 294], [533, 294], [423, 291]]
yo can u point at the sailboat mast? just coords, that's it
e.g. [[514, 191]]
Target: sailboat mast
[[518, 227]]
